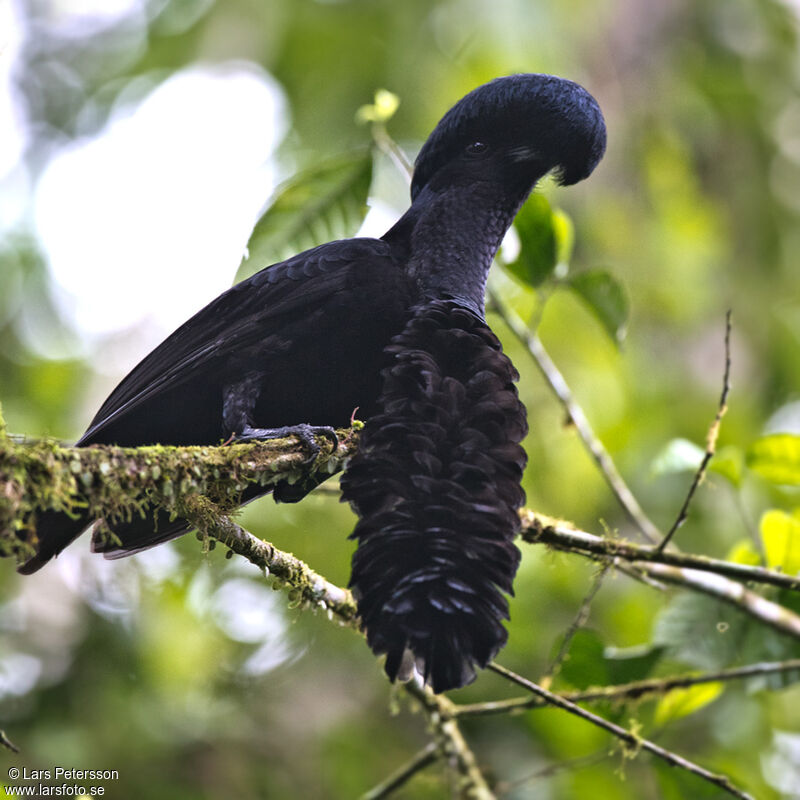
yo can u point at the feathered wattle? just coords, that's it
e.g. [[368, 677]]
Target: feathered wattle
[[436, 484]]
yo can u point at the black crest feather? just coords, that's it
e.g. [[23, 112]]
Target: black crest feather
[[436, 484], [558, 118]]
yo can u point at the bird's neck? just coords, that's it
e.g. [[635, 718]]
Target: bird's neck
[[448, 240]]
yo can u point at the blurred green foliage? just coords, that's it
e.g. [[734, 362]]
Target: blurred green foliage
[[140, 666]]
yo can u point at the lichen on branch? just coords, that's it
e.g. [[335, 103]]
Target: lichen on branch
[[309, 587], [118, 483]]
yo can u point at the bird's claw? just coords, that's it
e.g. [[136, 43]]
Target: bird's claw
[[307, 435], [304, 432]]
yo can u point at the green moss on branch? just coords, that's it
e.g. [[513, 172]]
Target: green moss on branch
[[116, 483], [307, 586]]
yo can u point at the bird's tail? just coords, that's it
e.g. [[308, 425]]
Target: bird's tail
[[436, 484], [54, 531]]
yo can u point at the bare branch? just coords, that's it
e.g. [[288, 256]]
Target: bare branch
[[711, 440], [560, 535], [704, 576], [776, 616], [628, 738]]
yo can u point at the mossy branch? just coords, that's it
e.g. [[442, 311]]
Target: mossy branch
[[204, 485], [562, 536], [118, 483], [312, 589], [315, 591], [469, 782], [304, 584], [698, 573]]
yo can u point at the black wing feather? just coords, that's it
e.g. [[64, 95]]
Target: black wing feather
[[240, 320], [286, 323]]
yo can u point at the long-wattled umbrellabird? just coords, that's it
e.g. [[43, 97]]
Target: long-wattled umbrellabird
[[394, 327]]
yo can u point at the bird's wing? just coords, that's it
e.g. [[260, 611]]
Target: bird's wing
[[246, 315]]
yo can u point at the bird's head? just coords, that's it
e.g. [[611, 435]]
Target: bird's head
[[514, 130]]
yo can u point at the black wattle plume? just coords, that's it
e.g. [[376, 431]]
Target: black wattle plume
[[436, 484]]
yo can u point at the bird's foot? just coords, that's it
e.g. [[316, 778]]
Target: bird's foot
[[304, 432]]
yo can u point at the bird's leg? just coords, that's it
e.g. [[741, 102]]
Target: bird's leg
[[239, 402], [304, 432]]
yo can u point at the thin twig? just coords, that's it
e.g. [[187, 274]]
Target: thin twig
[[389, 146], [575, 413], [711, 440], [627, 737], [550, 770], [398, 779], [580, 620], [634, 690], [560, 535]]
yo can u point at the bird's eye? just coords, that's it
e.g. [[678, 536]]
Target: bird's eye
[[477, 148]]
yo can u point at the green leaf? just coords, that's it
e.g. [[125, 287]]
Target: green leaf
[[678, 455], [606, 298], [590, 663], [538, 244], [564, 232], [682, 702], [325, 203], [743, 552], [780, 533], [381, 110], [776, 458], [728, 462], [700, 631], [584, 665], [627, 664]]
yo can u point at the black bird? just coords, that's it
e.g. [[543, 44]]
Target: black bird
[[394, 327]]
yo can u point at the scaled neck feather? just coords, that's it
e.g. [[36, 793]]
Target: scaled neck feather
[[449, 239]]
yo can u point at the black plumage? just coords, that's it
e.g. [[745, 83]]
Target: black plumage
[[436, 484], [394, 327]]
